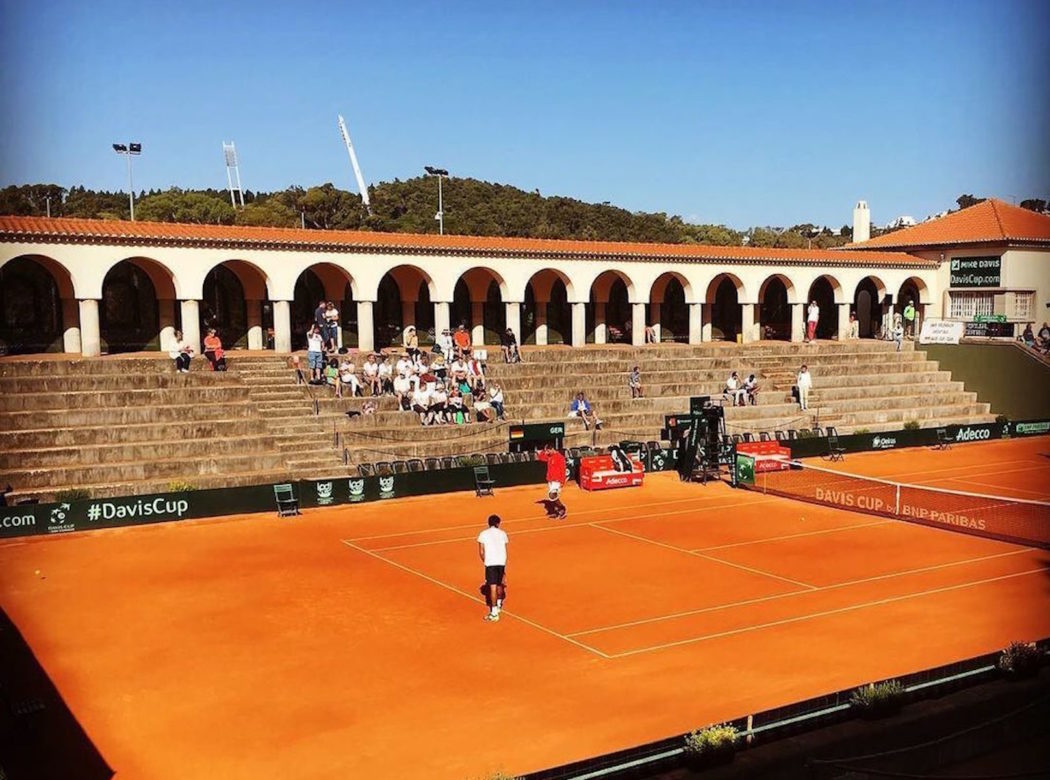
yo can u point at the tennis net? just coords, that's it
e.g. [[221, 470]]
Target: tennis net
[[998, 517]]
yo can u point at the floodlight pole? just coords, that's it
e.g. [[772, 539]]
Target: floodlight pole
[[128, 150], [440, 216]]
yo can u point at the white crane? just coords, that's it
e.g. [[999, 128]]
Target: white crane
[[353, 161]]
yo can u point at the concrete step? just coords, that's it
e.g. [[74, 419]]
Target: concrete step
[[115, 399], [67, 418], [68, 383], [185, 428], [123, 452]]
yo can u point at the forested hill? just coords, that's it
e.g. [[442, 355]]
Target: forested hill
[[471, 207]]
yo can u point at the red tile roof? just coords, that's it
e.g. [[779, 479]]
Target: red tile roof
[[173, 234], [990, 221]]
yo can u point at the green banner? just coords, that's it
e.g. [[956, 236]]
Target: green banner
[[892, 440], [745, 468], [1030, 428], [975, 271]]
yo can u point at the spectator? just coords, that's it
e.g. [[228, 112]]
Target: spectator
[[496, 399], [405, 365], [898, 335], [804, 383], [403, 392], [331, 377], [733, 391], [751, 389], [458, 372], [444, 345], [319, 316], [348, 377], [854, 326], [812, 319], [1044, 336], [213, 351], [331, 320], [581, 407], [315, 354], [370, 370], [634, 381], [508, 344], [438, 367], [475, 375], [410, 341], [461, 339], [1028, 337], [181, 353], [438, 404], [457, 408], [386, 376], [421, 404], [650, 334]]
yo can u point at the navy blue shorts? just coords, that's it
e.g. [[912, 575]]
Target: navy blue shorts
[[494, 575]]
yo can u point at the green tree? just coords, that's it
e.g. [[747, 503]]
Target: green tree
[[177, 205], [965, 201]]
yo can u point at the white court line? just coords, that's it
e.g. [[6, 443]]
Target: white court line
[[1039, 495], [948, 468], [774, 597], [561, 526], [794, 536], [705, 557], [827, 613], [474, 598], [530, 517]]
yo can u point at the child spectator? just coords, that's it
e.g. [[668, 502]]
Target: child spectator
[[457, 410], [315, 354], [634, 381], [331, 377]]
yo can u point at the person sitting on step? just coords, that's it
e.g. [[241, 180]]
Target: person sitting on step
[[581, 407], [181, 353], [213, 351]]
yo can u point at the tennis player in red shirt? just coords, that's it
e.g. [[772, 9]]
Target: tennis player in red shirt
[[555, 479]]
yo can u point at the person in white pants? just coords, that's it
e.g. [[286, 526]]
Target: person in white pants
[[804, 383]]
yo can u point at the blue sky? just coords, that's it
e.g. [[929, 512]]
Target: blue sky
[[733, 112]]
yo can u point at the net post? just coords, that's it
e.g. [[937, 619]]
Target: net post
[[897, 502]]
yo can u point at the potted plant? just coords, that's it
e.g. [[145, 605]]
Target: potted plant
[[1020, 661], [878, 700], [710, 746]]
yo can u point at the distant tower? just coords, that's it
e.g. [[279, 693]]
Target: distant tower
[[861, 222], [229, 151]]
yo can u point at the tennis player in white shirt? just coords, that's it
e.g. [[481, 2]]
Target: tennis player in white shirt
[[492, 549]]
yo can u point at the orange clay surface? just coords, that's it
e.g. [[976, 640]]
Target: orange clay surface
[[349, 642]]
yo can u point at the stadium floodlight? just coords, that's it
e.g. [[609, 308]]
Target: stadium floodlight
[[440, 216], [129, 150], [229, 151]]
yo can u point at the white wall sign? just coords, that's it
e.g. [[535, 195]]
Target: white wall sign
[[941, 331]]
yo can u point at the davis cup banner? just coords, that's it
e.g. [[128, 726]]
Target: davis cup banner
[[941, 332]]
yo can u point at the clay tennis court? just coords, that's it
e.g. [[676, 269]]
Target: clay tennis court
[[349, 642]]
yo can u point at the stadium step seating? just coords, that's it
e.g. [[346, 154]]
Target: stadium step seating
[[130, 424]]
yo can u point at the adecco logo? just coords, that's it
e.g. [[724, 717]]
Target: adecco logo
[[973, 434], [883, 443]]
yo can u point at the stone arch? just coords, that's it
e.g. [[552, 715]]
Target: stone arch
[[318, 282], [478, 303], [668, 310], [609, 307], [404, 297], [233, 297], [723, 315], [913, 290], [37, 305], [138, 301], [546, 316], [868, 306], [776, 296], [827, 292]]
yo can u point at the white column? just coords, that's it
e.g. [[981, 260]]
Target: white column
[[654, 318], [253, 312], [798, 321], [441, 316], [365, 326], [282, 327], [601, 329], [696, 323], [90, 338], [70, 326], [843, 324], [638, 324], [579, 324], [707, 327], [514, 319], [166, 317], [477, 317], [748, 325], [191, 324], [541, 323]]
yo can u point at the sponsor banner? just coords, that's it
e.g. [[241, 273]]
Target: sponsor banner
[[891, 440], [989, 330], [941, 331], [133, 510], [745, 468], [975, 271], [1030, 428]]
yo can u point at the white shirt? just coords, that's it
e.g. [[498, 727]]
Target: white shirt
[[474, 369], [315, 342], [385, 370], [814, 313], [404, 366], [496, 394], [421, 397], [370, 369], [402, 385], [805, 379], [732, 383], [459, 367], [495, 543]]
